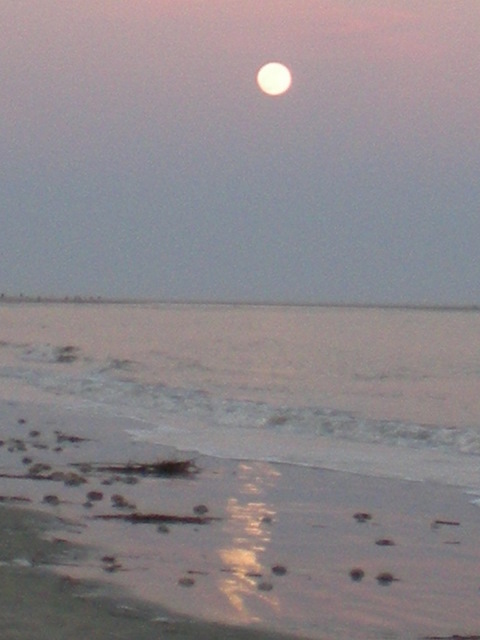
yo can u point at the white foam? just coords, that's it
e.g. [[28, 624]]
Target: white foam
[[267, 390], [377, 460]]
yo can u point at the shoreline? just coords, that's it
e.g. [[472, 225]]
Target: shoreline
[[279, 553]]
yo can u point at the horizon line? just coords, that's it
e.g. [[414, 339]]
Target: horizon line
[[90, 299]]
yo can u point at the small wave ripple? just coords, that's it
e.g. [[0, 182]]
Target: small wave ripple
[[113, 386]]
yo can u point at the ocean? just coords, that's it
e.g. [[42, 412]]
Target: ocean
[[300, 420], [373, 390]]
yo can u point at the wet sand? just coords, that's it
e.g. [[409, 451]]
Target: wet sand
[[38, 603], [308, 552]]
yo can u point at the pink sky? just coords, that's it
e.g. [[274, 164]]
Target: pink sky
[[382, 114]]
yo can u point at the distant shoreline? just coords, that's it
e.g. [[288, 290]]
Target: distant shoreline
[[76, 299]]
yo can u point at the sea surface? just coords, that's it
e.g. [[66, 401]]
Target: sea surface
[[379, 391], [368, 411]]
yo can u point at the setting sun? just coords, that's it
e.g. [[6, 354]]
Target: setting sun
[[274, 78]]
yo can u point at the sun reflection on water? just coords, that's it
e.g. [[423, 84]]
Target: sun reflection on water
[[250, 534]]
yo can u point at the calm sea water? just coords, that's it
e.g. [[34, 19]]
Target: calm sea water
[[381, 391]]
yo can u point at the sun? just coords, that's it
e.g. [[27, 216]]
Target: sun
[[274, 78]]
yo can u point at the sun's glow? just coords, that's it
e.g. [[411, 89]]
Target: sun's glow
[[274, 78]]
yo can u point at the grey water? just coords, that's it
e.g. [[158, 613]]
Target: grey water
[[374, 390]]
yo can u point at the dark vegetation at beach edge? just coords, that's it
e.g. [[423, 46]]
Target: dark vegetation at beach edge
[[353, 304]]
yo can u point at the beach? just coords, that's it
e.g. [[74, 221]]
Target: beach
[[38, 604], [259, 547], [232, 469], [56, 582]]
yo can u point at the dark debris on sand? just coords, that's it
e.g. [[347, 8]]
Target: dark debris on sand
[[163, 468], [13, 499], [157, 518], [362, 517], [454, 637], [357, 574], [386, 578]]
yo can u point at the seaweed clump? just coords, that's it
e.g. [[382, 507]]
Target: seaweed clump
[[156, 518], [163, 468]]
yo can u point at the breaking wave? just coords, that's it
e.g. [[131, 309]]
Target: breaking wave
[[114, 386]]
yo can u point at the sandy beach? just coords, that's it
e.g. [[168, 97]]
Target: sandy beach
[[39, 604], [56, 582], [255, 546]]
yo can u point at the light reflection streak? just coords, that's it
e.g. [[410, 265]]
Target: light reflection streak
[[248, 523]]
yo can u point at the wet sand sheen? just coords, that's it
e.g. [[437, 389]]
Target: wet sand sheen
[[37, 604], [307, 551]]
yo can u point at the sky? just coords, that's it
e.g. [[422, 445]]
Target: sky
[[139, 158]]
